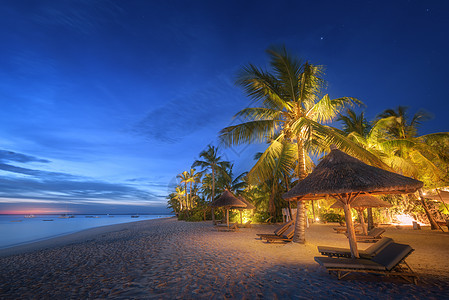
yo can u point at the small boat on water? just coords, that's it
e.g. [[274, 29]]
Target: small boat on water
[[47, 220], [65, 216], [135, 216]]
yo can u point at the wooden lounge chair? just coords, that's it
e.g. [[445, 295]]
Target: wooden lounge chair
[[373, 235], [245, 225], [286, 237], [224, 227], [343, 229], [278, 232], [390, 261], [369, 252]]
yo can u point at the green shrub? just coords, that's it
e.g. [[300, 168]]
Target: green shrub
[[260, 217], [331, 217]]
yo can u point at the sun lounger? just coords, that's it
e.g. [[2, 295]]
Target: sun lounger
[[390, 261], [245, 225], [278, 232], [343, 229], [286, 237], [369, 252], [223, 227], [373, 235]]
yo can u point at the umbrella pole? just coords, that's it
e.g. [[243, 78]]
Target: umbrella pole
[[351, 231], [227, 217], [241, 217], [362, 221]]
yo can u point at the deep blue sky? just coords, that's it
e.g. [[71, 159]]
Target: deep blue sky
[[104, 102]]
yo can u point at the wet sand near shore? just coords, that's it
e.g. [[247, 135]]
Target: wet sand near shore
[[170, 259]]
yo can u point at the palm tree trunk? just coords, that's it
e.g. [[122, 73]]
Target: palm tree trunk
[[433, 224], [299, 236], [300, 224], [191, 202], [271, 205], [213, 194], [288, 202]]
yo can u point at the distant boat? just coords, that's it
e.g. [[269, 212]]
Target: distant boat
[[65, 216], [136, 216]]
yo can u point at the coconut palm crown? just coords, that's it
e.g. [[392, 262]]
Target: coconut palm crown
[[290, 110]]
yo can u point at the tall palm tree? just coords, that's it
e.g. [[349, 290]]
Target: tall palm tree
[[289, 111], [213, 162]]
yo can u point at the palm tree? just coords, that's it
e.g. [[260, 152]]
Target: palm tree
[[211, 160], [184, 176], [193, 178], [410, 154], [289, 111], [353, 123]]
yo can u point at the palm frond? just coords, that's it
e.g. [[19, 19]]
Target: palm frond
[[249, 132], [259, 113]]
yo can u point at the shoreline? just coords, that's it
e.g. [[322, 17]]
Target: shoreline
[[169, 259], [66, 238]]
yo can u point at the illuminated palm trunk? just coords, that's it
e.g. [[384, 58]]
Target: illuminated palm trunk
[[299, 236]]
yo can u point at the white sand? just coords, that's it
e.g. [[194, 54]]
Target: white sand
[[169, 259]]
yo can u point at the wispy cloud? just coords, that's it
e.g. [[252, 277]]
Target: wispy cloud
[[83, 16], [25, 183], [10, 156], [182, 116]]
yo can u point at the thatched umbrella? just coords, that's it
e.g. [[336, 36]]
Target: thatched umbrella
[[360, 203], [228, 200], [248, 206], [344, 177]]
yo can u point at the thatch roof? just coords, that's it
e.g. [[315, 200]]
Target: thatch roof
[[248, 204], [227, 199], [363, 201], [340, 173]]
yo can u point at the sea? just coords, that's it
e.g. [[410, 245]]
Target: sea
[[17, 230]]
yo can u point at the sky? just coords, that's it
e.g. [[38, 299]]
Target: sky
[[104, 102]]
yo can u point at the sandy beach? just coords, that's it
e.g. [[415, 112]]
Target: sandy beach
[[170, 259]]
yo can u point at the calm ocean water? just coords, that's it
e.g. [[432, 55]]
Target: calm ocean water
[[17, 229]]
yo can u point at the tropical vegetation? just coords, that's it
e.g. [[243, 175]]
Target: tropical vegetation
[[290, 113]]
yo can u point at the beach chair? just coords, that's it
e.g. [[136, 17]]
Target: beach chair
[[278, 232], [224, 227], [390, 261], [343, 229], [373, 235], [286, 237], [369, 252], [245, 225]]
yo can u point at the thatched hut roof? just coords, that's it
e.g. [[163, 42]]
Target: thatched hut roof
[[248, 204], [363, 201], [340, 173], [227, 199]]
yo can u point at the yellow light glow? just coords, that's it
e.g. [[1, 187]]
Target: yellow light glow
[[404, 219]]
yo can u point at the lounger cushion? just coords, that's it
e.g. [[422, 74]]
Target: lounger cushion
[[349, 263], [367, 253], [392, 255]]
